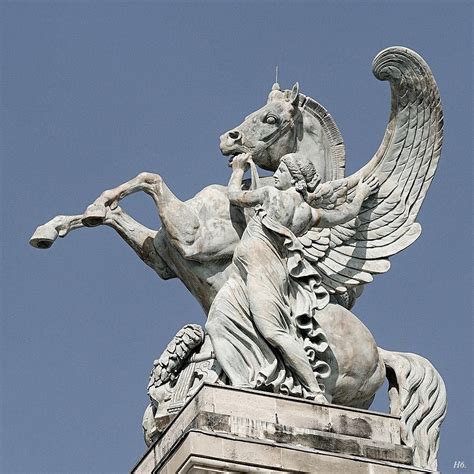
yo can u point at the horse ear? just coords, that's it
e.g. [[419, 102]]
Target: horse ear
[[294, 96]]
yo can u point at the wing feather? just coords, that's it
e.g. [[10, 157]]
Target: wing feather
[[349, 255]]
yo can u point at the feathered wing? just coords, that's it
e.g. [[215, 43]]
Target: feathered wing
[[329, 194], [349, 255]]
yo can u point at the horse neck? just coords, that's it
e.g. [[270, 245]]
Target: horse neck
[[311, 142]]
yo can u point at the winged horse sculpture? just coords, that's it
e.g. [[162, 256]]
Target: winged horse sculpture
[[197, 240]]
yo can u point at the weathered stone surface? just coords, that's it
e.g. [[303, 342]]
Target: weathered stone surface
[[222, 429], [278, 264], [219, 454]]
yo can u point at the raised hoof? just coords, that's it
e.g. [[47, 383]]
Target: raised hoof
[[44, 237], [94, 215]]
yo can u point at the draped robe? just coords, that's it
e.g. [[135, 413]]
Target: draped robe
[[271, 289]]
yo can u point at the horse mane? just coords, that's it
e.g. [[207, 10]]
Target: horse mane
[[336, 161]]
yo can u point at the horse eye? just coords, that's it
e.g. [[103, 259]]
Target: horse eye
[[271, 119]]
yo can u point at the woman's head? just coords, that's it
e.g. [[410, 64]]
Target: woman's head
[[294, 171]]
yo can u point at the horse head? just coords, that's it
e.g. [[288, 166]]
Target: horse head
[[270, 132], [289, 123]]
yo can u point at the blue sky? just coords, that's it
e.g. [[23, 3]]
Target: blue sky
[[95, 92]]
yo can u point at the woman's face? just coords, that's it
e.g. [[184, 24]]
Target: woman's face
[[282, 178]]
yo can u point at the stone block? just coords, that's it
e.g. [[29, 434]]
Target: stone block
[[223, 429]]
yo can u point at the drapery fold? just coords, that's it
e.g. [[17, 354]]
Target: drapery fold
[[271, 289]]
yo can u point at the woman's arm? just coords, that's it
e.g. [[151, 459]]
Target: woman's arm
[[346, 212], [236, 195]]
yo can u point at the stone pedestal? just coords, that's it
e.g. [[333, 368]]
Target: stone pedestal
[[223, 429]]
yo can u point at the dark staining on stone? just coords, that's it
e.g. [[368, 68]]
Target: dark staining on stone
[[399, 454], [354, 427], [287, 435], [215, 422]]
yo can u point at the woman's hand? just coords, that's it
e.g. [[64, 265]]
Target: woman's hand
[[241, 161], [368, 186]]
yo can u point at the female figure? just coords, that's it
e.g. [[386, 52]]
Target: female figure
[[252, 322]]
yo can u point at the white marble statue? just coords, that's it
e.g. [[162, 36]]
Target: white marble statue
[[278, 267]]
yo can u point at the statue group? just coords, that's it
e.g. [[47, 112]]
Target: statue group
[[277, 263]]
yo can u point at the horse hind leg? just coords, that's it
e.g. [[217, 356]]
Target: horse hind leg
[[365, 405], [357, 367]]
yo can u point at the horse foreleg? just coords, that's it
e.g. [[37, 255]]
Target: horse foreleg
[[136, 235], [96, 212], [45, 235], [179, 219], [140, 238]]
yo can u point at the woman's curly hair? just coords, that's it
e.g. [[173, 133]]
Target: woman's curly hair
[[303, 172]]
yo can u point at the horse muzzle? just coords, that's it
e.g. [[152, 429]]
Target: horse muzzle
[[231, 143]]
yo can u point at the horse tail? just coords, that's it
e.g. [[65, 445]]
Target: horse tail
[[418, 396]]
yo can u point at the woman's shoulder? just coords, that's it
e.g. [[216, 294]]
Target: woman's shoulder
[[278, 197], [269, 191]]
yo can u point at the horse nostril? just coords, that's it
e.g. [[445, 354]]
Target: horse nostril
[[235, 135]]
